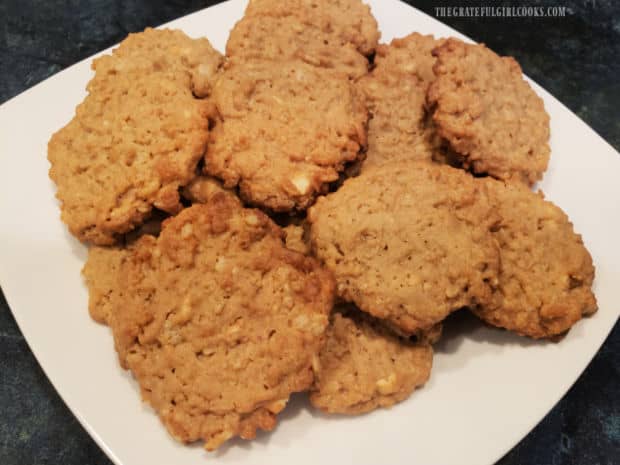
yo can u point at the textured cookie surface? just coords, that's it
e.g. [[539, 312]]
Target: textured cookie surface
[[285, 132], [350, 21], [101, 273], [408, 242], [165, 51], [488, 114], [363, 366], [546, 272], [219, 322], [396, 97], [137, 136], [285, 38]]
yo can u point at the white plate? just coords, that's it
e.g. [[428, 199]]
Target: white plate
[[487, 390]]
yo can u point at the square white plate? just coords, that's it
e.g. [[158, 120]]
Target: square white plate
[[488, 387]]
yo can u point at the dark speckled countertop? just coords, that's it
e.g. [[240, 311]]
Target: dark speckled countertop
[[575, 57]]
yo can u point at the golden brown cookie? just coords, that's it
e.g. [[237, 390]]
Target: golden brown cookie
[[136, 138], [285, 132], [166, 51], [350, 21], [488, 113], [219, 321], [396, 97], [285, 38], [408, 242], [546, 272], [101, 273], [364, 366]]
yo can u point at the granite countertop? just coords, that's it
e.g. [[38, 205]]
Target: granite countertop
[[575, 57]]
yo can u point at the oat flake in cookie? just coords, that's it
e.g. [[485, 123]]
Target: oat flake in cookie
[[285, 131], [546, 272], [137, 137], [408, 242], [219, 322], [364, 366], [488, 114]]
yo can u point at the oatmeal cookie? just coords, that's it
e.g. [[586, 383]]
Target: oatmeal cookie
[[136, 138], [408, 242], [546, 272], [168, 52], [285, 131], [219, 321], [350, 21], [364, 366], [488, 113], [396, 96], [285, 38]]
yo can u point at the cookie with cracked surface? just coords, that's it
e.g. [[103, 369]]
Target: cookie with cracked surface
[[488, 113], [285, 38], [135, 139], [219, 321], [350, 21], [396, 96], [363, 366], [408, 242], [546, 272], [285, 131]]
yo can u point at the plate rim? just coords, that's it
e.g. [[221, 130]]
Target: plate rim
[[101, 443]]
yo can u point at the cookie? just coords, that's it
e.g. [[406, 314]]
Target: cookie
[[488, 114], [408, 242], [219, 321], [285, 131], [136, 138], [285, 38], [396, 96], [166, 51], [546, 272], [350, 21], [101, 273], [364, 366]]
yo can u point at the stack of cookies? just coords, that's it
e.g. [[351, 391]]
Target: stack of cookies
[[304, 212]]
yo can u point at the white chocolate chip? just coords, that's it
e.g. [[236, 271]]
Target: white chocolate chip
[[301, 183], [300, 322], [186, 230], [387, 385], [452, 291], [251, 220]]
